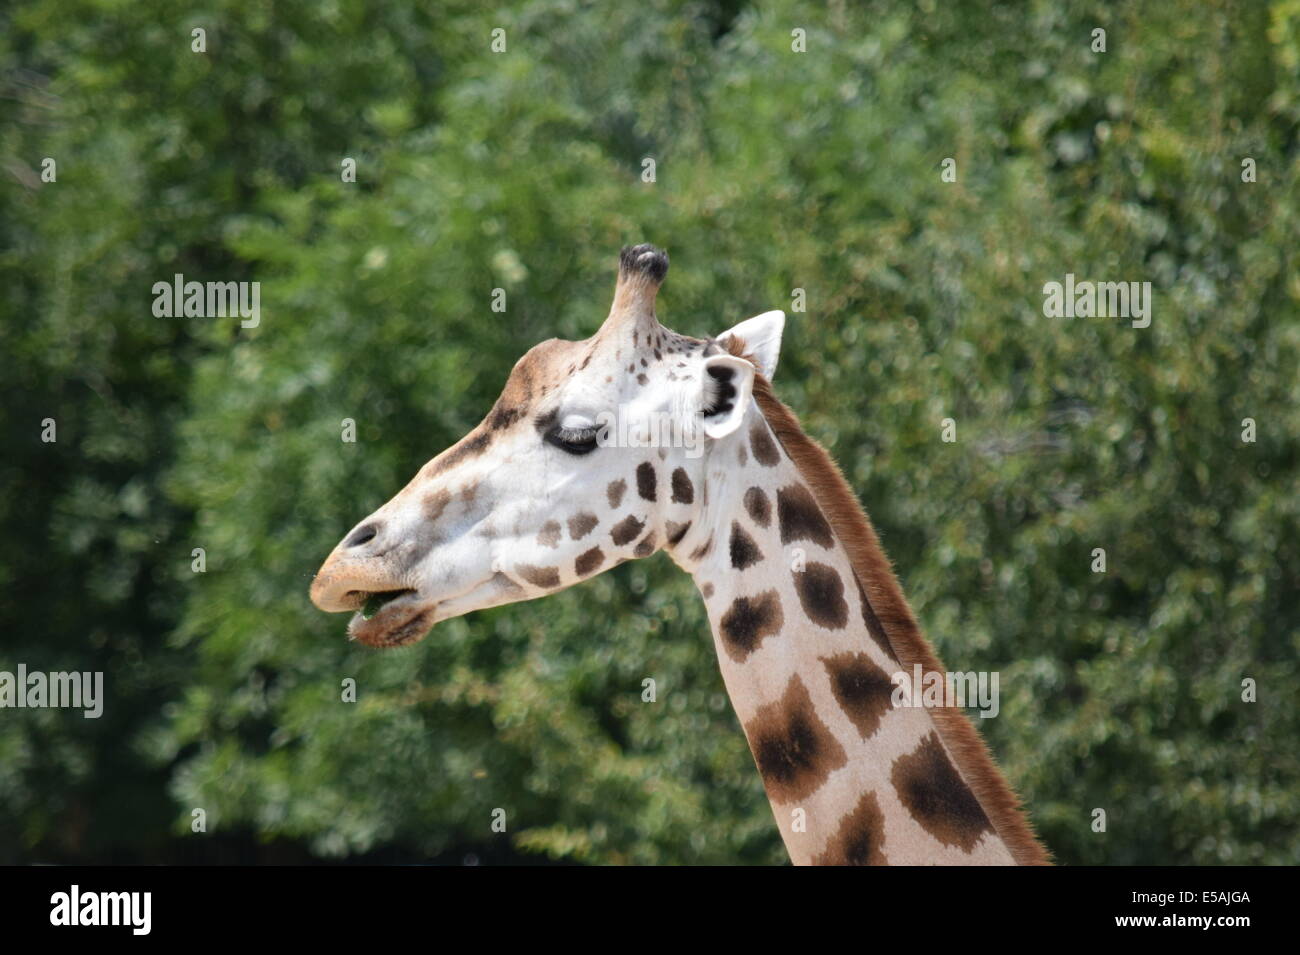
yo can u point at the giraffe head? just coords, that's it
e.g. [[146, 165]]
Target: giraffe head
[[597, 452]]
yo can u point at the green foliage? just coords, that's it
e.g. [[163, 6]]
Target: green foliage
[[521, 170]]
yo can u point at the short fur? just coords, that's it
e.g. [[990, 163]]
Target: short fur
[[876, 576]]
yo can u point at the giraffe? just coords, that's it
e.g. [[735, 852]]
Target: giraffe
[[568, 475]]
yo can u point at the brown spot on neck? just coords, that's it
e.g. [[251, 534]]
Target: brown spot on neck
[[821, 594], [794, 749], [547, 577], [748, 621], [645, 480], [863, 690], [758, 506], [646, 547], [860, 838], [933, 792], [872, 623], [800, 518], [760, 440], [683, 489], [676, 532], [744, 552]]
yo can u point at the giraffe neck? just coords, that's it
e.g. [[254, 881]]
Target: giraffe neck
[[808, 664]]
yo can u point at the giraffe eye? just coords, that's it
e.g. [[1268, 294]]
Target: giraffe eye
[[573, 440]]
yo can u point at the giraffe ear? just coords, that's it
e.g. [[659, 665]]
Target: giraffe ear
[[728, 386], [762, 337]]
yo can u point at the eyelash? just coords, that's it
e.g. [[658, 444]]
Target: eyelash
[[573, 440]]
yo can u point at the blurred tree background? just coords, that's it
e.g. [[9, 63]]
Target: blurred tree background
[[521, 170]]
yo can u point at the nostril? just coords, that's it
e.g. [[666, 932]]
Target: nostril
[[362, 535]]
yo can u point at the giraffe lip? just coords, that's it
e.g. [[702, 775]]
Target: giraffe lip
[[401, 618]]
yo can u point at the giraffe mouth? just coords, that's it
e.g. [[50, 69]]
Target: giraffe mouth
[[373, 601], [391, 618]]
